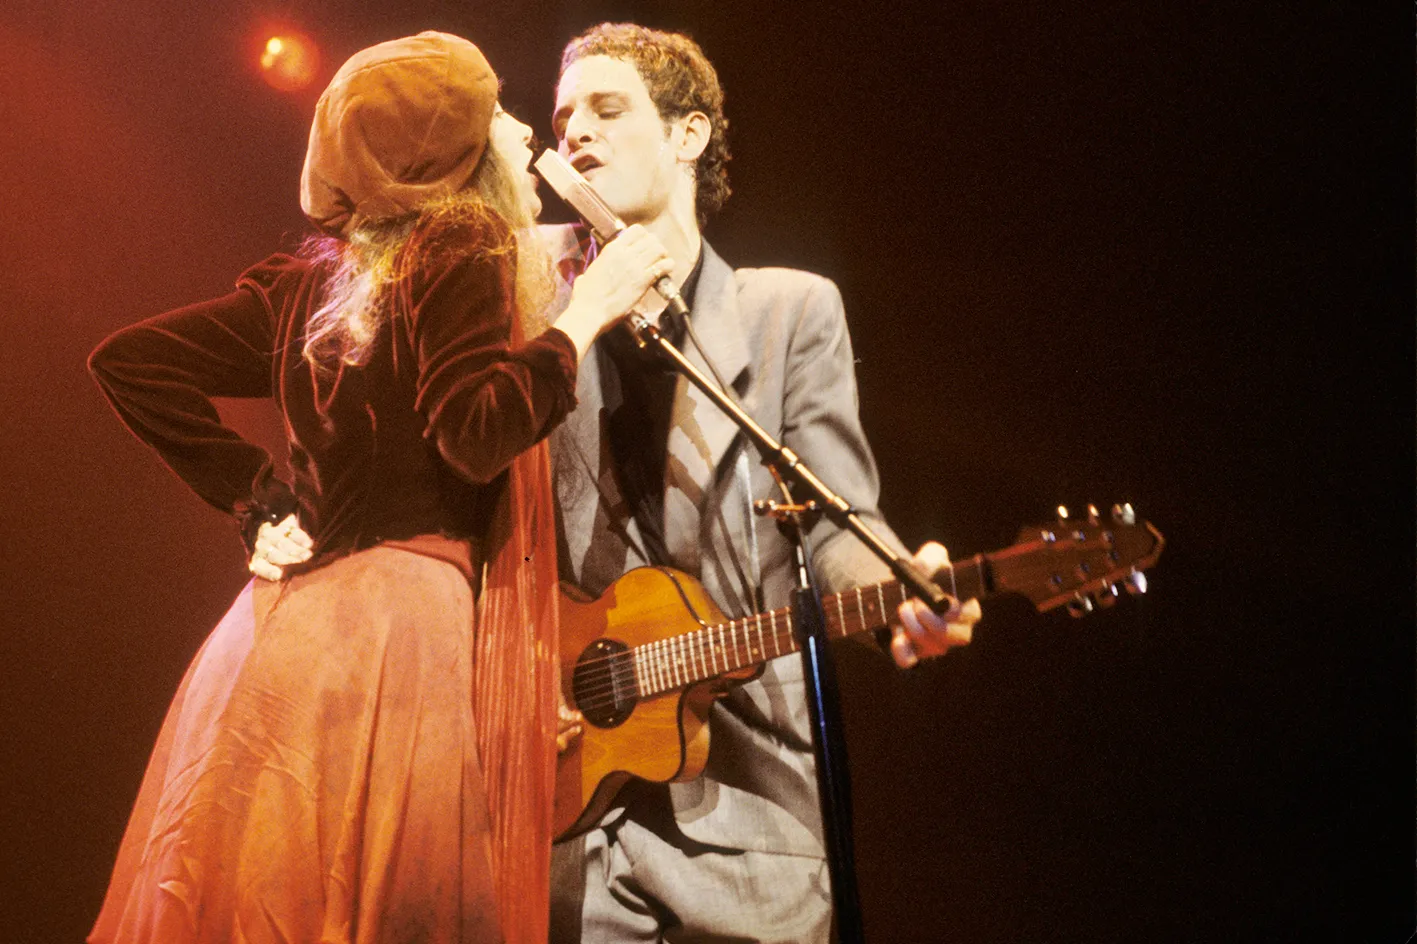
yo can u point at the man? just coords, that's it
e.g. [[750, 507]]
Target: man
[[647, 471]]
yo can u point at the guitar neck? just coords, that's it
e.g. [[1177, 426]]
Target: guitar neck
[[669, 664]]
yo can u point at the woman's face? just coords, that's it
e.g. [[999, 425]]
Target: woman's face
[[512, 141]]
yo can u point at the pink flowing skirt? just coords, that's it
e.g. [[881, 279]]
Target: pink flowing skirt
[[317, 778]]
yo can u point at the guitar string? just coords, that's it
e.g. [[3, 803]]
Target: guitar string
[[891, 586], [702, 647], [888, 587], [660, 663], [663, 661], [663, 667]]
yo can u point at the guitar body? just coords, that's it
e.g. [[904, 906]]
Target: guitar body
[[664, 737]]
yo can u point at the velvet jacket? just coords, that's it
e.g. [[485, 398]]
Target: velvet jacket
[[413, 441]]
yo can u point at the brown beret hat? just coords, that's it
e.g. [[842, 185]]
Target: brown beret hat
[[401, 123]]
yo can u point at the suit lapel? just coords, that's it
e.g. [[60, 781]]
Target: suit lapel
[[707, 430]]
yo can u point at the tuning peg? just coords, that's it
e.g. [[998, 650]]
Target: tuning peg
[[1092, 514], [1062, 512], [1080, 605], [1123, 514], [1108, 596], [1136, 583]]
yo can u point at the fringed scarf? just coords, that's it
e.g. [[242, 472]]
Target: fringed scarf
[[516, 678]]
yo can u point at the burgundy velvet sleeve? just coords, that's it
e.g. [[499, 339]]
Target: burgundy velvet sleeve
[[161, 374], [485, 399]]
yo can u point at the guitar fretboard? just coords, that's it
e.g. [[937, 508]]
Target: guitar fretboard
[[669, 664]]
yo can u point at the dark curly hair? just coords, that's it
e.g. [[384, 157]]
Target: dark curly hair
[[680, 80]]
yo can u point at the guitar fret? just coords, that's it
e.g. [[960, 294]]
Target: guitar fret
[[676, 670], [860, 608], [776, 646], [721, 649], [730, 646], [881, 598], [761, 651], [840, 613]]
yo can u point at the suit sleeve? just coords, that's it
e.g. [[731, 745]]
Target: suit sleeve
[[486, 398], [160, 375], [822, 424]]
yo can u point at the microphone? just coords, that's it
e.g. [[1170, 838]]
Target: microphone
[[571, 187]]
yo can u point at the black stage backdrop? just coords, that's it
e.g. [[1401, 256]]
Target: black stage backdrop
[[1098, 252]]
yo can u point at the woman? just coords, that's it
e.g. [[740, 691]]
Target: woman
[[364, 751]]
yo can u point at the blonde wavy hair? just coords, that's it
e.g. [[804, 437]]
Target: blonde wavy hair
[[487, 218]]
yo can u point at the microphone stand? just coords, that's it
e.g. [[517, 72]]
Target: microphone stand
[[809, 622], [809, 628]]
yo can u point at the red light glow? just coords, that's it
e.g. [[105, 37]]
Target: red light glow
[[289, 62]]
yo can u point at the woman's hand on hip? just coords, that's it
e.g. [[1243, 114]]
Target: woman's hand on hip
[[278, 546]]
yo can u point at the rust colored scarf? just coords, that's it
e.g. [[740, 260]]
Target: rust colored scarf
[[516, 678]]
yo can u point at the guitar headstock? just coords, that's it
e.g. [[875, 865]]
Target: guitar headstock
[[1080, 563]]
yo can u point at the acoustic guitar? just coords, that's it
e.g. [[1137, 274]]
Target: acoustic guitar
[[645, 661]]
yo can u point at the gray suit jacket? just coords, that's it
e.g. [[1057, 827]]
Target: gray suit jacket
[[779, 338]]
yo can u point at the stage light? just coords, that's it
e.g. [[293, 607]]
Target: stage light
[[289, 62]]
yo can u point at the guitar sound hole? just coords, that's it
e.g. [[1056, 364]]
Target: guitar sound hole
[[604, 683]]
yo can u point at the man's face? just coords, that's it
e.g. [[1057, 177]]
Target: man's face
[[608, 128]]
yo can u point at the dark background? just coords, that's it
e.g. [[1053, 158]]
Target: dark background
[[1090, 252]]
